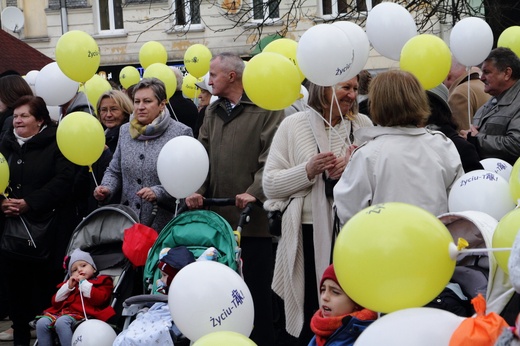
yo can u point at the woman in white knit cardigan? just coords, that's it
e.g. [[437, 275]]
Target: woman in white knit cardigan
[[307, 148]]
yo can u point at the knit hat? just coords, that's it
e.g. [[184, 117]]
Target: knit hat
[[329, 273], [174, 260], [79, 255]]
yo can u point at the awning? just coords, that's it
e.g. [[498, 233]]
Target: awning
[[264, 42]]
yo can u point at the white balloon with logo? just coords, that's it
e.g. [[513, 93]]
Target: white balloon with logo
[[497, 166]]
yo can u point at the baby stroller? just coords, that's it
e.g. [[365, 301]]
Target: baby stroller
[[478, 272], [197, 230], [101, 234]]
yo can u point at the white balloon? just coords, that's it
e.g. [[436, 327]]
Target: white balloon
[[389, 26], [207, 297], [325, 54], [54, 112], [481, 190], [411, 327], [305, 94], [471, 40], [182, 166], [93, 333], [30, 78], [359, 40], [498, 166], [53, 86]]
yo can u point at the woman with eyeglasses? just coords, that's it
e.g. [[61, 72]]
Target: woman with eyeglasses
[[114, 108]]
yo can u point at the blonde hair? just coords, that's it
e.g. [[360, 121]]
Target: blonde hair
[[396, 98], [122, 100], [319, 102]]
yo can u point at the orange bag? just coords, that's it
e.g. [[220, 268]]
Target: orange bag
[[137, 241], [482, 330]]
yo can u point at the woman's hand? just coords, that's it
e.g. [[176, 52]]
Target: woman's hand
[[195, 201], [336, 172], [14, 207], [147, 194], [101, 193], [319, 163]]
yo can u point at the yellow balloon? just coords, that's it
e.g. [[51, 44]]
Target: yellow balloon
[[4, 174], [504, 237], [271, 81], [165, 74], [129, 76], [189, 89], [224, 338], [287, 48], [514, 182], [77, 55], [510, 38], [428, 58], [393, 256], [94, 88], [81, 138], [196, 59], [152, 52]]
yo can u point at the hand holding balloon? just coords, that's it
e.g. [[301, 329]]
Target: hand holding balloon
[[147, 194], [101, 193]]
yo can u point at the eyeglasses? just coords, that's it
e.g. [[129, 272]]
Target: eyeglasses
[[112, 110]]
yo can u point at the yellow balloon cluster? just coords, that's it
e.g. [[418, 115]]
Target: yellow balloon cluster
[[81, 138], [428, 58], [77, 55], [94, 88], [510, 38], [163, 73], [271, 81], [152, 52], [129, 76], [504, 237], [4, 174], [287, 48], [189, 89], [393, 256], [197, 59]]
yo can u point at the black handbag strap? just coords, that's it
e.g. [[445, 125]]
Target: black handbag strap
[[335, 232]]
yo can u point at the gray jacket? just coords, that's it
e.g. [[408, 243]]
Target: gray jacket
[[134, 166], [499, 126]]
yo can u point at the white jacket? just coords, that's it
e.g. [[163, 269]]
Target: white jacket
[[398, 164]]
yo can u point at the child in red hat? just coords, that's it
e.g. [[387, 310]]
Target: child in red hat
[[340, 320]]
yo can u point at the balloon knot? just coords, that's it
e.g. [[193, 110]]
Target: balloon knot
[[462, 244]]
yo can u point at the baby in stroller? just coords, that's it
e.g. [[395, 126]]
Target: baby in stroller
[[153, 326], [83, 293]]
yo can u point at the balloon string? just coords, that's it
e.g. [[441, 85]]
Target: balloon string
[[93, 175], [91, 111], [82, 303], [468, 68], [177, 202], [485, 250]]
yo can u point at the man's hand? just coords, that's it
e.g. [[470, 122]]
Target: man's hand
[[243, 199], [195, 201]]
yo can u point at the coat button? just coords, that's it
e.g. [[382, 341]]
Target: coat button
[[18, 186], [138, 206], [141, 156], [19, 161], [139, 181]]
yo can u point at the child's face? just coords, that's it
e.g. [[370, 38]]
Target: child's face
[[334, 301], [82, 270]]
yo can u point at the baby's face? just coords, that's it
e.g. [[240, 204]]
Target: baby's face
[[334, 301], [82, 270]]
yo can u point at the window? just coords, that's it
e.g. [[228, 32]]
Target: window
[[266, 9], [187, 12], [110, 14], [338, 7]]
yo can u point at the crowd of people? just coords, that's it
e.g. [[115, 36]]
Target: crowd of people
[[316, 167]]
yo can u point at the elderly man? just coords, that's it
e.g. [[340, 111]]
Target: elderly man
[[237, 135], [457, 83], [496, 125]]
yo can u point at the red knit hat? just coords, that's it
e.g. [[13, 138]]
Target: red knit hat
[[329, 274]]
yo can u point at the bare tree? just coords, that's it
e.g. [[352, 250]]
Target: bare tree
[[253, 16]]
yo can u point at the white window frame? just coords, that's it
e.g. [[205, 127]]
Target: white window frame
[[265, 18], [189, 26], [111, 18]]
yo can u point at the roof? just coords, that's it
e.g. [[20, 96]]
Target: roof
[[19, 56]]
